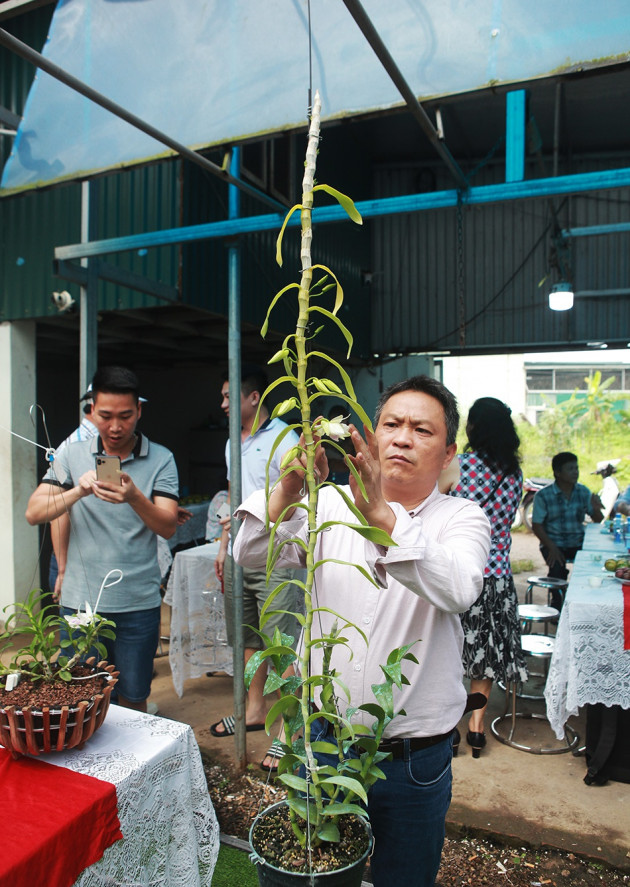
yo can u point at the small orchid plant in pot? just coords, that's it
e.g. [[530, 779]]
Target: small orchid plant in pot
[[321, 797], [51, 681]]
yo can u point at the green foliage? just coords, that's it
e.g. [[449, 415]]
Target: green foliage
[[36, 625], [325, 792], [592, 424]]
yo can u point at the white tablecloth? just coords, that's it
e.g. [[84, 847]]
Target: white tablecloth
[[171, 833], [589, 663], [192, 530], [598, 539], [197, 640]]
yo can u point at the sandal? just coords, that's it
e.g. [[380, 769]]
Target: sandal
[[275, 751], [229, 727]]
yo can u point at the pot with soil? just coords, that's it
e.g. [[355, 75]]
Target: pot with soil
[[50, 701], [282, 862]]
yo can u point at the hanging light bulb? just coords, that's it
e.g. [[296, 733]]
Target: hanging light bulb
[[561, 296]]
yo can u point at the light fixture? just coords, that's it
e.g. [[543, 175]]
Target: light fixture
[[561, 296]]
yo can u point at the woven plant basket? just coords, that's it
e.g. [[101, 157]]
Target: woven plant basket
[[30, 731]]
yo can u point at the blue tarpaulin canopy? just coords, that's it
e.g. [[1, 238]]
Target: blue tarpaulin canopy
[[222, 71]]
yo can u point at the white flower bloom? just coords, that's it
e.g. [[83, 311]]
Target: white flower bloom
[[80, 618], [335, 428]]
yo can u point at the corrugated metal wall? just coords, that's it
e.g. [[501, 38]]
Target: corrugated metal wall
[[343, 247], [501, 265]]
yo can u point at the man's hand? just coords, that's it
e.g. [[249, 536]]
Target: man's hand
[[126, 491], [290, 489], [86, 483], [183, 516], [367, 462], [555, 556], [56, 594]]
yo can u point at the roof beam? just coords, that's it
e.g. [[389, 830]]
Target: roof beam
[[385, 206], [372, 36]]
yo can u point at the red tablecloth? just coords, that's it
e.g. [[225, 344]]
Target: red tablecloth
[[55, 822]]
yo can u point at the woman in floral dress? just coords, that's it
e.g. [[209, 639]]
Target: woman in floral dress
[[491, 476]]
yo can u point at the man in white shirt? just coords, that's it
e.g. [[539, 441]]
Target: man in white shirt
[[255, 452], [434, 573]]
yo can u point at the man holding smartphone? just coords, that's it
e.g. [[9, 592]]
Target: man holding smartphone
[[113, 525]]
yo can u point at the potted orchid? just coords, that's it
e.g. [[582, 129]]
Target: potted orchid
[[51, 695], [322, 825]]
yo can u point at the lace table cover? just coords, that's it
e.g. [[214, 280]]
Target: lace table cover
[[193, 529], [197, 638], [589, 663], [171, 833]]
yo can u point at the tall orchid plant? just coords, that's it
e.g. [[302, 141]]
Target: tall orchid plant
[[324, 793]]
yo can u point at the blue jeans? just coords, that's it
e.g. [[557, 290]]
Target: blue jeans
[[407, 812], [132, 652]]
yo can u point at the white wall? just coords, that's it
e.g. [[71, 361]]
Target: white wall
[[18, 540], [493, 375]]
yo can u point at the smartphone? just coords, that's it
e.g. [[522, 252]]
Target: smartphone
[[108, 468], [224, 511]]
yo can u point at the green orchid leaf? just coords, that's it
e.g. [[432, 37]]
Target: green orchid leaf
[[292, 781], [338, 809], [343, 329], [276, 298], [336, 284], [362, 570], [343, 200], [350, 784], [328, 831], [298, 206], [372, 534], [324, 748]]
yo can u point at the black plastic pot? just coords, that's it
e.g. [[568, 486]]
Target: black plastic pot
[[271, 876]]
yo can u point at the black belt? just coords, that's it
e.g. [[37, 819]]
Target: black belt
[[397, 746]]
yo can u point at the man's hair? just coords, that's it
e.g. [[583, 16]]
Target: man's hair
[[115, 380], [435, 389], [561, 459], [253, 379]]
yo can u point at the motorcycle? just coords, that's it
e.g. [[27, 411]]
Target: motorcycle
[[610, 488], [531, 485]]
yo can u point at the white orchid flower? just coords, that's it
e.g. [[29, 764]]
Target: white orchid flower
[[335, 428], [80, 618]]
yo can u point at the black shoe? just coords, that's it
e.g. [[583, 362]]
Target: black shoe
[[456, 741], [476, 741]]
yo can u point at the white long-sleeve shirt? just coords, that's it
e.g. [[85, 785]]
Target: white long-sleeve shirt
[[434, 573]]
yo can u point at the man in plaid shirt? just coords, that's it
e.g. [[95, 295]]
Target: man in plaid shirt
[[558, 518]]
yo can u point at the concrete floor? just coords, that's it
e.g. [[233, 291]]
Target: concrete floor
[[540, 800]]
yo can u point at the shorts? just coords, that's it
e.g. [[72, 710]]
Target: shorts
[[133, 650], [255, 593]]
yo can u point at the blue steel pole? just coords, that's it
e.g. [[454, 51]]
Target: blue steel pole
[[234, 372]]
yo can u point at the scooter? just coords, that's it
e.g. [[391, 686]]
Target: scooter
[[610, 488], [531, 485]]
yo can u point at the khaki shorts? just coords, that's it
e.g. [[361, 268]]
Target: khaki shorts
[[255, 593]]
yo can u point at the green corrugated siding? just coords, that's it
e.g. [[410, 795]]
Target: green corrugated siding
[[343, 247]]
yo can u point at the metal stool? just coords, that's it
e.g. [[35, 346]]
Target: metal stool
[[530, 614], [541, 647], [545, 582]]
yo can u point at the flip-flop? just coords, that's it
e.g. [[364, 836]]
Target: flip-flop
[[229, 727], [275, 751]]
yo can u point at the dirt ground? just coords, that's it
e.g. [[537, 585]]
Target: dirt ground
[[466, 859]]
